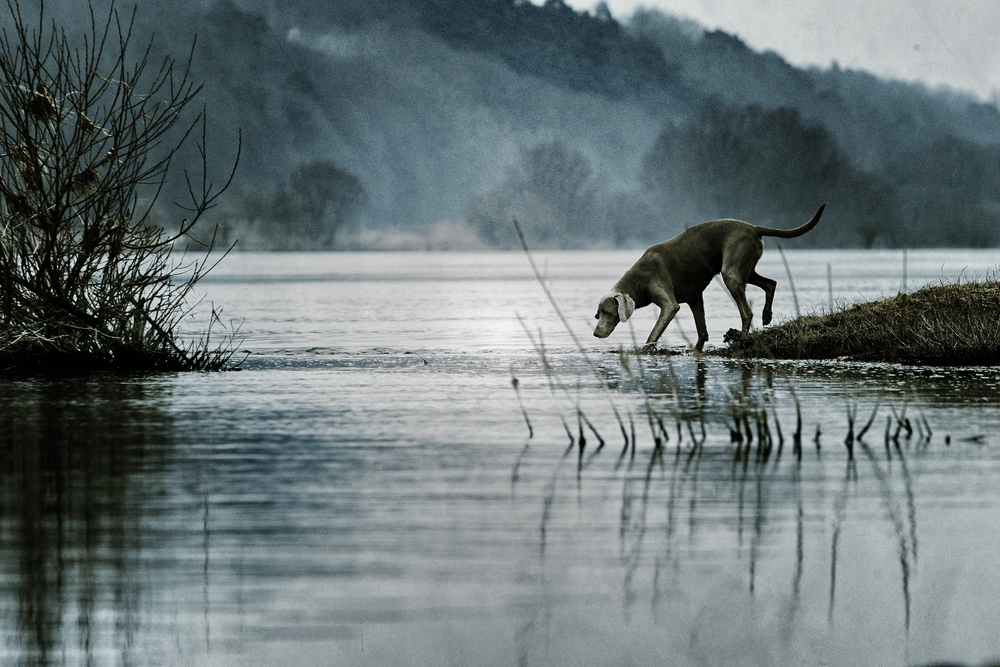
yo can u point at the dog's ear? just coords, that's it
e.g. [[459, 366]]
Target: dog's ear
[[626, 306]]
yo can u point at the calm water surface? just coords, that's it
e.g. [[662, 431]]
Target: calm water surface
[[365, 491]]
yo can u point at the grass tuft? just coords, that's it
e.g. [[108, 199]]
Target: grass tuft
[[945, 324]]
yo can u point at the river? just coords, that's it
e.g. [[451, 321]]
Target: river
[[366, 490]]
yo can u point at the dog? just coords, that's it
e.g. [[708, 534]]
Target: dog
[[678, 271]]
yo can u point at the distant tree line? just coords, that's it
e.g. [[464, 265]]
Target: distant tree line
[[766, 166], [580, 50], [552, 189], [305, 213], [951, 193], [427, 101], [561, 202]]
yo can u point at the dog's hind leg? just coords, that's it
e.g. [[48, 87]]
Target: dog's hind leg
[[698, 310], [738, 264], [736, 287], [768, 286]]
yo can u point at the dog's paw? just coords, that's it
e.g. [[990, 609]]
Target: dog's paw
[[766, 317], [648, 348]]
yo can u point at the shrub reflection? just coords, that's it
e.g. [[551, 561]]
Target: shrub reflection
[[77, 455]]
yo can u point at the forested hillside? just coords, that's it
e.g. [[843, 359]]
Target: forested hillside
[[364, 119]]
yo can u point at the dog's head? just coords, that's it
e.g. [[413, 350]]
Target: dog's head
[[614, 307]]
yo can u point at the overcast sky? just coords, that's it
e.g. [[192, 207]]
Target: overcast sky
[[940, 42]]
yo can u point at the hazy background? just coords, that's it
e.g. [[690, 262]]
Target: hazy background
[[939, 43], [430, 123]]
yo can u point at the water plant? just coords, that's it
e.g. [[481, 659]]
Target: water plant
[[88, 277]]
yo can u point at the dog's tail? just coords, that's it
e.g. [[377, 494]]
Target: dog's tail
[[792, 233]]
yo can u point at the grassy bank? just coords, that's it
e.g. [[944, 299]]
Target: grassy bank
[[948, 324]]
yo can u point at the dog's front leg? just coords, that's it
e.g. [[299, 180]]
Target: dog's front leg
[[698, 310], [668, 308]]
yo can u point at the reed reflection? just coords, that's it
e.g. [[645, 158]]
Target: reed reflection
[[80, 460], [712, 482]]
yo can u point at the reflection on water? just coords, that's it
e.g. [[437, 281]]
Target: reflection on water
[[80, 458], [366, 492], [757, 547]]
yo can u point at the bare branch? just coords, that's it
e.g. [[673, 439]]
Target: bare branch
[[86, 135]]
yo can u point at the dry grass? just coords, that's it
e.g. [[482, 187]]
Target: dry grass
[[946, 324]]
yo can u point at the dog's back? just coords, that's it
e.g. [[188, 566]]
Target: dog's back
[[695, 256]]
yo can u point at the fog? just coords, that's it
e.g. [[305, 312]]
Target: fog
[[437, 106]]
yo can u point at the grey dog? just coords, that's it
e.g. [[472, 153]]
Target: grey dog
[[678, 271]]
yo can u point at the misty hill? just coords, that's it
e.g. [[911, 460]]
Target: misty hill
[[595, 132]]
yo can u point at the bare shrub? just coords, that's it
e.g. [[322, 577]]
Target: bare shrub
[[87, 279]]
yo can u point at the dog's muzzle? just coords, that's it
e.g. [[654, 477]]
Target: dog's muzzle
[[604, 328]]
